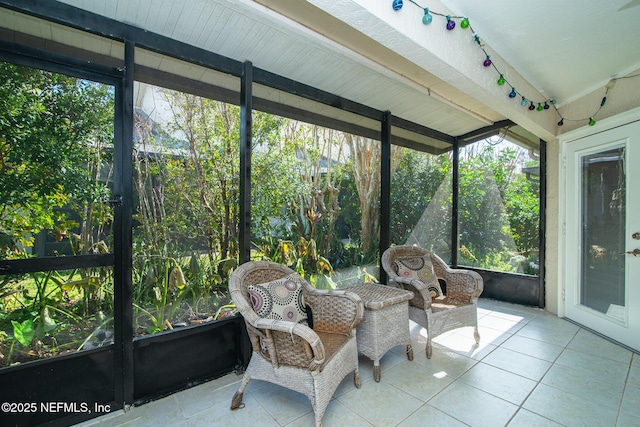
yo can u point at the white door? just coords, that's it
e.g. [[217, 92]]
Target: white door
[[602, 246]]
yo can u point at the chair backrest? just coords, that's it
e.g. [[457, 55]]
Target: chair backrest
[[400, 252], [274, 345], [456, 283], [252, 273]]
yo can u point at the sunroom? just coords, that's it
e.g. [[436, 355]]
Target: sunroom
[[149, 148]]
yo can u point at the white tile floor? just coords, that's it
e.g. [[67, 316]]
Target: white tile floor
[[530, 369]]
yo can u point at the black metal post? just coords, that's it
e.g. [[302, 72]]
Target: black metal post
[[123, 316], [455, 180], [385, 188], [543, 221], [246, 82]]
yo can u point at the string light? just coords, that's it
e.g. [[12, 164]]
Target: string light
[[427, 18], [450, 23]]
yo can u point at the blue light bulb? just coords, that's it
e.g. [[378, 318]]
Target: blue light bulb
[[427, 18]]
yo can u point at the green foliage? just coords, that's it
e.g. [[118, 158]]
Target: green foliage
[[187, 203], [415, 183], [499, 209], [24, 332], [302, 256], [278, 187], [498, 206], [523, 206], [50, 125], [56, 151], [304, 191]]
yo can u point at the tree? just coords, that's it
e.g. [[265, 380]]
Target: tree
[[365, 160], [414, 188], [499, 212], [523, 207], [56, 134], [297, 178], [188, 182]]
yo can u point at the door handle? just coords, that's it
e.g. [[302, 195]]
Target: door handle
[[635, 252]]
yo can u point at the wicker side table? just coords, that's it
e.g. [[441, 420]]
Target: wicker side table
[[385, 323]]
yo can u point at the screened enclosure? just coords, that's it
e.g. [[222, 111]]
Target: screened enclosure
[[138, 172]]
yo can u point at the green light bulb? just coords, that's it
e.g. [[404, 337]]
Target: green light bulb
[[501, 80], [464, 23], [591, 121]]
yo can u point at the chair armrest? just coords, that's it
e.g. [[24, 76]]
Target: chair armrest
[[287, 343], [463, 283], [422, 296], [334, 311]]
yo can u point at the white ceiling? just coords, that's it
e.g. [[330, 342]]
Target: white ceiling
[[566, 48], [364, 51]]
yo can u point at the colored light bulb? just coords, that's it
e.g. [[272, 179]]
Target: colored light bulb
[[501, 80], [397, 4], [561, 122], [487, 62], [540, 108], [464, 23], [427, 18], [524, 102], [553, 101], [531, 106], [450, 23], [513, 93], [591, 121], [546, 106]]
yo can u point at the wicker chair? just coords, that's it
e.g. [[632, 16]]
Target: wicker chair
[[458, 307], [310, 361]]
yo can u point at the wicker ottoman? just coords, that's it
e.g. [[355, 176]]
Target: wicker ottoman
[[385, 323]]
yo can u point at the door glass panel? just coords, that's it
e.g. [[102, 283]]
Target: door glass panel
[[602, 279], [56, 175]]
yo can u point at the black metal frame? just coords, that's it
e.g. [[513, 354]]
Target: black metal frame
[[129, 352], [88, 377], [123, 246], [385, 188], [244, 228], [455, 179], [542, 239]]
